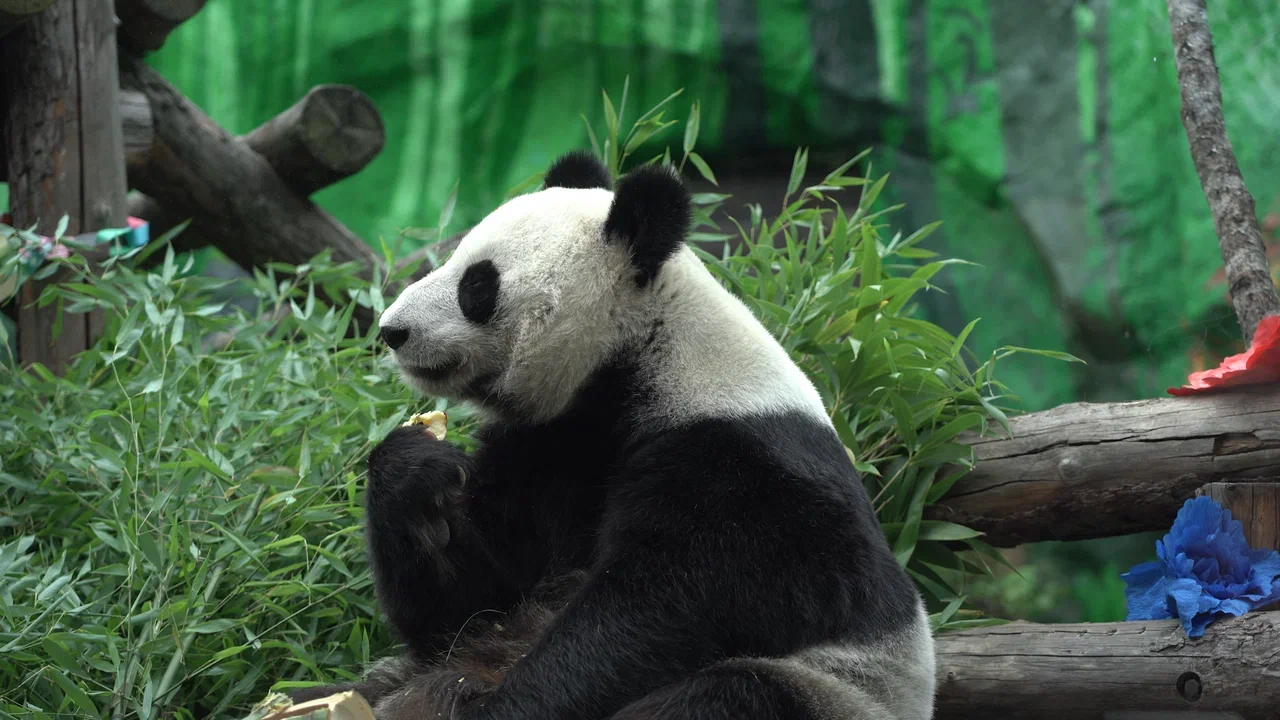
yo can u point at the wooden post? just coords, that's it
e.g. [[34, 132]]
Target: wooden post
[[64, 150], [1255, 504]]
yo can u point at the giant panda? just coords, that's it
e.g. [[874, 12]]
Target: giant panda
[[659, 521]]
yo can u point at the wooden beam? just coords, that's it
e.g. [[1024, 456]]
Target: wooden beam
[[235, 199], [64, 150], [136, 124], [1080, 672], [331, 133], [15, 12], [1097, 470], [146, 24]]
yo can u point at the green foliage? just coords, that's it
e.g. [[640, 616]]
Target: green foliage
[[181, 523], [179, 530]]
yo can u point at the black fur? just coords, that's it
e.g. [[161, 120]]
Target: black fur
[[651, 214], [478, 291], [693, 549], [578, 169]]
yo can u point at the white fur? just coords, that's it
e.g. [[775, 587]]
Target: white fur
[[568, 301], [898, 673]]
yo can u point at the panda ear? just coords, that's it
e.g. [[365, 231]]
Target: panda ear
[[577, 169], [651, 213]]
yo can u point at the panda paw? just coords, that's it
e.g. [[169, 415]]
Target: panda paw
[[417, 484]]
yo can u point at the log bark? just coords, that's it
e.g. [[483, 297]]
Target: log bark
[[135, 121], [1097, 470], [146, 24], [1253, 294], [15, 12], [1080, 672], [64, 150]]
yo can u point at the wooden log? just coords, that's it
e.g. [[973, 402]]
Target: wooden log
[[1097, 470], [332, 133], [15, 12], [1086, 671], [64, 148], [197, 168], [230, 192], [1256, 505], [135, 122], [328, 135], [146, 24]]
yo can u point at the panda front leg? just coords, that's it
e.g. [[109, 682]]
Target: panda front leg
[[432, 570]]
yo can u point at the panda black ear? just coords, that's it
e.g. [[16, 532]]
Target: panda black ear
[[578, 169], [651, 213]]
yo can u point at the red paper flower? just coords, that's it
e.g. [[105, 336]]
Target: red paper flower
[[1257, 365]]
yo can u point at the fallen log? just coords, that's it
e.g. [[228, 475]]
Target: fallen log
[[1097, 470], [1080, 672]]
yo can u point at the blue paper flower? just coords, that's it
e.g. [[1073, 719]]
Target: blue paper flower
[[1206, 570]]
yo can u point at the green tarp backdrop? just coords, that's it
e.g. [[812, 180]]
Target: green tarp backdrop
[[1046, 134]]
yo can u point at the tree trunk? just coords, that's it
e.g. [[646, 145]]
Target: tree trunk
[[64, 148], [1253, 294]]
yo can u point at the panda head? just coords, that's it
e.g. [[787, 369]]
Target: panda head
[[543, 291]]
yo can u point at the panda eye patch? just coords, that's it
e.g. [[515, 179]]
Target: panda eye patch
[[478, 292]]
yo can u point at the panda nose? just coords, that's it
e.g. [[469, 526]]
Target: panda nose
[[394, 337]]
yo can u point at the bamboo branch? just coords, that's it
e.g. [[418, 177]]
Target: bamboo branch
[[1253, 294]]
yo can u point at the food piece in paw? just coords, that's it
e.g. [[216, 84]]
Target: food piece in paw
[[436, 422]]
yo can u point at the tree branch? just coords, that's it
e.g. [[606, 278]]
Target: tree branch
[[1253, 294]]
